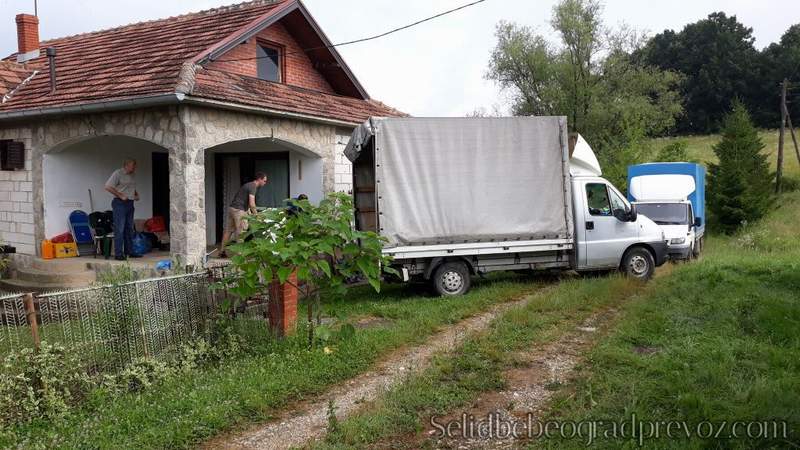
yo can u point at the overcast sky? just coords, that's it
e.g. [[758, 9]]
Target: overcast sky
[[434, 69]]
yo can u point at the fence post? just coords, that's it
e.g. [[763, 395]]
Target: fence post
[[30, 312]]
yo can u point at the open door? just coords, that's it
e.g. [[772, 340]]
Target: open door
[[161, 186]]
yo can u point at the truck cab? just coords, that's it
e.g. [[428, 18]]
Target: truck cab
[[672, 194], [676, 219], [610, 233]]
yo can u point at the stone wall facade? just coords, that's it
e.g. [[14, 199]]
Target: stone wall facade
[[17, 222], [343, 168], [185, 131]]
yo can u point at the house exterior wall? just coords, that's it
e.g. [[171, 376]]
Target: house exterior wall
[[17, 222], [298, 70], [186, 133], [343, 168]]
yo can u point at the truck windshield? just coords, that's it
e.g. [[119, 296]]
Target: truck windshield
[[665, 213]]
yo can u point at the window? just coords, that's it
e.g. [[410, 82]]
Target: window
[[666, 213], [597, 198], [616, 202], [269, 67]]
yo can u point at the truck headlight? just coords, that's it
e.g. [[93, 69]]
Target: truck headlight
[[676, 241]]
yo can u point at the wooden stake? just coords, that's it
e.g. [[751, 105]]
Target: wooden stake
[[30, 312], [779, 171]]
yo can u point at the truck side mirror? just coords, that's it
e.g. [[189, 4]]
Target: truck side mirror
[[698, 221], [633, 214], [621, 215]]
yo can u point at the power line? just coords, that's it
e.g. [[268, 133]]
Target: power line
[[370, 38]]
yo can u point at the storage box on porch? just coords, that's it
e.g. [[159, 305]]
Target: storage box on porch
[[66, 250]]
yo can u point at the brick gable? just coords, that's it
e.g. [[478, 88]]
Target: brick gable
[[299, 70]]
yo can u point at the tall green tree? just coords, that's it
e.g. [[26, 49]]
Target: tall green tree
[[739, 184], [588, 76], [719, 61]]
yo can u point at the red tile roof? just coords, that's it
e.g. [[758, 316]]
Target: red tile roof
[[12, 75], [146, 59], [239, 89]]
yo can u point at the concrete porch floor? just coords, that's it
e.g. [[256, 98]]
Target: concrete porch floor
[[70, 273], [147, 261]]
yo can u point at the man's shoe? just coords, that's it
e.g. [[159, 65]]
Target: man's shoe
[[134, 256], [120, 258]]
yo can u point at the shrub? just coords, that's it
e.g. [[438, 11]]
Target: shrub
[[48, 383], [43, 384], [317, 242]]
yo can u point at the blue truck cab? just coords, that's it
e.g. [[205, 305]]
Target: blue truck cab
[[673, 195]]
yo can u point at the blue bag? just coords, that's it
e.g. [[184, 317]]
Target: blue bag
[[141, 244]]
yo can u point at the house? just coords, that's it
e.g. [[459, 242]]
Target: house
[[202, 101]]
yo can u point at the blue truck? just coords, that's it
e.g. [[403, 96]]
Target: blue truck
[[673, 195]]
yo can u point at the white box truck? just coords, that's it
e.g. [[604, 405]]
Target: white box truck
[[457, 197], [673, 195]]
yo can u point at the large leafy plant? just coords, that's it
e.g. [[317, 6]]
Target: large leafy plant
[[317, 242]]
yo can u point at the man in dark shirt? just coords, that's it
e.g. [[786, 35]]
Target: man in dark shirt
[[243, 202]]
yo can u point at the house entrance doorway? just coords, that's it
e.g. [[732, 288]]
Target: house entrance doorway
[[235, 169]]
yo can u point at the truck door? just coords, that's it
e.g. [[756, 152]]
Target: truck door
[[605, 236]]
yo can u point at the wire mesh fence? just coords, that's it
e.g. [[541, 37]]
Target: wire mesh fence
[[110, 326]]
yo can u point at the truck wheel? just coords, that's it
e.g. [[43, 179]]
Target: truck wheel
[[638, 263], [451, 278], [698, 247]]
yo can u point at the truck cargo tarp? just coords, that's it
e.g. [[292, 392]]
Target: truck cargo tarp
[[446, 180]]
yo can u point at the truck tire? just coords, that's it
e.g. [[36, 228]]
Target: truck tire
[[698, 248], [638, 263], [451, 278]]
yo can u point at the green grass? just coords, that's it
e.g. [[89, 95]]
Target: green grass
[[181, 413], [455, 379], [726, 336], [725, 331], [700, 148]]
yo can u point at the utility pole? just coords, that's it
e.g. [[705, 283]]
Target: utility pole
[[791, 131], [779, 172]]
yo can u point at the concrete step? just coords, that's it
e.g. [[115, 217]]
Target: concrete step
[[61, 265], [85, 276], [15, 285]]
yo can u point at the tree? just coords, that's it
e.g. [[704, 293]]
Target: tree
[[739, 184], [676, 151], [317, 242], [589, 77], [717, 57], [777, 62]]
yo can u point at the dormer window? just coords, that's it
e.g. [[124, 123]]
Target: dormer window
[[269, 61]]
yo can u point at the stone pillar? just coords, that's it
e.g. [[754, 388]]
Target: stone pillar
[[283, 306], [187, 205]]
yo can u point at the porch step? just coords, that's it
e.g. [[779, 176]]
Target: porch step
[[79, 277], [16, 285], [60, 265]]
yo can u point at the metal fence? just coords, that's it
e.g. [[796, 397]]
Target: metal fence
[[110, 326]]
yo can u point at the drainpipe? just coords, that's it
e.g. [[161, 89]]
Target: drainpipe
[[51, 57]]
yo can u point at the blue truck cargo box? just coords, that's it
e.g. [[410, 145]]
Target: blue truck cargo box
[[696, 171]]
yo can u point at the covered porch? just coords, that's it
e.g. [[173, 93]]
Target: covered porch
[[74, 176]]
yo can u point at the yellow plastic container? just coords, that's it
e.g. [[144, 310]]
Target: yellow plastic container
[[48, 249], [67, 250]]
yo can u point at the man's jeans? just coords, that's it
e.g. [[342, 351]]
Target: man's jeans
[[123, 227]]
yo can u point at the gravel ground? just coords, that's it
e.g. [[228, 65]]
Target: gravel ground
[[307, 421], [530, 386]]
